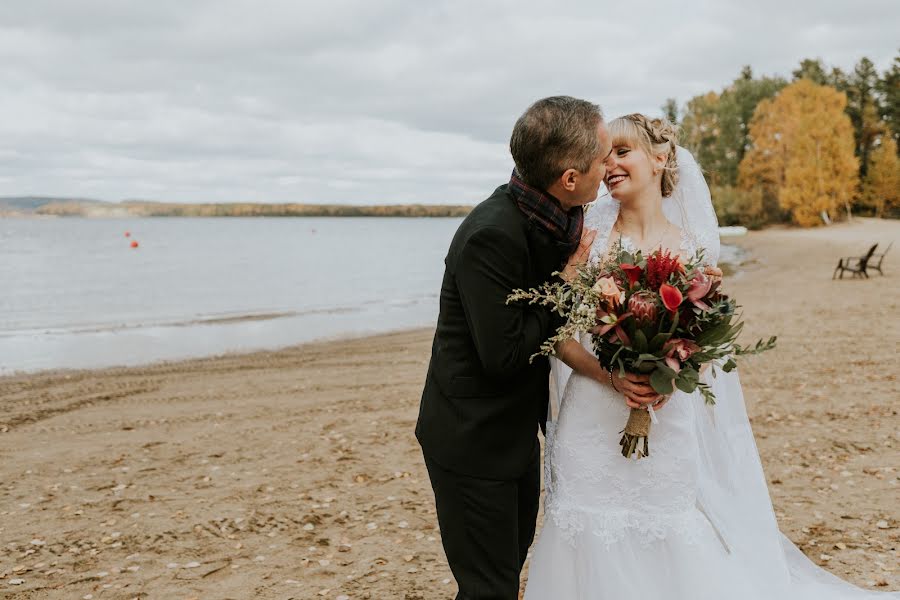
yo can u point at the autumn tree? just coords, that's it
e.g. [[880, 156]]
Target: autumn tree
[[802, 152], [700, 133], [715, 127], [881, 187]]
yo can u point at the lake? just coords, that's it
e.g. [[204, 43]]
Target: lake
[[75, 294]]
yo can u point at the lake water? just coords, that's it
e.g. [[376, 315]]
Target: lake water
[[74, 294]]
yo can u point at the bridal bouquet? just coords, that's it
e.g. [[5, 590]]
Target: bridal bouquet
[[653, 315]]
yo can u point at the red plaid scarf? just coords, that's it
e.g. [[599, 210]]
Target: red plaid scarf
[[543, 208]]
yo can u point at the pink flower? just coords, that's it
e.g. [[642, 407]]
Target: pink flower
[[700, 287], [607, 289], [673, 363], [612, 322], [680, 349]]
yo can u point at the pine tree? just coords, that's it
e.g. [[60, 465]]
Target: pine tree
[[670, 110], [889, 87], [812, 69], [863, 107]]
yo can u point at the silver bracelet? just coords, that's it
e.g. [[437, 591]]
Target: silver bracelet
[[611, 380]]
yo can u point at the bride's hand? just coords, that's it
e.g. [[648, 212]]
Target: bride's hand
[[714, 273], [637, 390], [580, 256]]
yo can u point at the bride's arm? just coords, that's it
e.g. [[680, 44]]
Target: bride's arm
[[635, 388]]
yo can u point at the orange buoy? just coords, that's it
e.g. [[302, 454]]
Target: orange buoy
[[134, 244], [127, 234]]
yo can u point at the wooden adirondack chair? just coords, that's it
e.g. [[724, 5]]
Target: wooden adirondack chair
[[878, 258], [855, 264]]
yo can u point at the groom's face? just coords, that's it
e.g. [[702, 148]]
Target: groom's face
[[588, 184]]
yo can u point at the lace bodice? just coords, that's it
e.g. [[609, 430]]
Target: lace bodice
[[602, 217], [687, 248]]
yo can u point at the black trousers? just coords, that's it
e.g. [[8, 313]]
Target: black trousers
[[487, 527]]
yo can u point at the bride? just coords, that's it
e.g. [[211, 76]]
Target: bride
[[692, 521]]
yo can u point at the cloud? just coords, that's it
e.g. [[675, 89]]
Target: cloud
[[359, 102]]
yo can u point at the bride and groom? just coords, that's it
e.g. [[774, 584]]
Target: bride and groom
[[692, 521]]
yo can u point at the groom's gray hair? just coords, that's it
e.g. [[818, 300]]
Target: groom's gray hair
[[555, 134]]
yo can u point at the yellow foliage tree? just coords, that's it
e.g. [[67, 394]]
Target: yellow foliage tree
[[881, 188], [802, 152]]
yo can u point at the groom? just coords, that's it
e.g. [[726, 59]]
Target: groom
[[483, 401]]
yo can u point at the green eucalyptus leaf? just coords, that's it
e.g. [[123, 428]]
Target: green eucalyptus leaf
[[639, 341], [687, 380], [661, 382], [658, 341]]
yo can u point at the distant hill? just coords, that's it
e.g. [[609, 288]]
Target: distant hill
[[29, 205], [71, 207]]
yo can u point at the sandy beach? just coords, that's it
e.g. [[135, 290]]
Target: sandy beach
[[296, 474]]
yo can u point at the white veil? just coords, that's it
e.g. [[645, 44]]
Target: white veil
[[732, 491]]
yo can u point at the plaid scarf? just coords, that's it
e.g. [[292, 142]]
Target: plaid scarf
[[546, 210]]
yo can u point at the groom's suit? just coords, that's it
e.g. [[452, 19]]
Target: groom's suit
[[483, 401]]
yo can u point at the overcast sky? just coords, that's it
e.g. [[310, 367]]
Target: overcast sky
[[361, 101]]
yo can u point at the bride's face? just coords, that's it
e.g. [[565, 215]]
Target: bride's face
[[629, 172]]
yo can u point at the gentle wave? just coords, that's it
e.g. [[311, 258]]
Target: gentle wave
[[210, 320], [213, 319]]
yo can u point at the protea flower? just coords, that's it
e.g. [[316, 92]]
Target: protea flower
[[643, 307]]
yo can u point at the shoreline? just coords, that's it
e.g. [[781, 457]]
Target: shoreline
[[185, 362]]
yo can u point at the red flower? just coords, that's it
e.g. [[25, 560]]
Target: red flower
[[671, 296], [660, 265], [633, 272]]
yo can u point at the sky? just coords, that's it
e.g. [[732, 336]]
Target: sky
[[361, 101]]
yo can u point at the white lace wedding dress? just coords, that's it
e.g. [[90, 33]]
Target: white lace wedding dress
[[693, 521]]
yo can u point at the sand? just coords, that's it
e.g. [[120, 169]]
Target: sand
[[296, 474]]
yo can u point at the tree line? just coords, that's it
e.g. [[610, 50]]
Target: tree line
[[817, 148], [135, 208]]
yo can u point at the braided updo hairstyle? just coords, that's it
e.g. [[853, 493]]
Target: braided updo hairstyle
[[653, 136]]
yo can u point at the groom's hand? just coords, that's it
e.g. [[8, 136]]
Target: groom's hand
[[580, 256]]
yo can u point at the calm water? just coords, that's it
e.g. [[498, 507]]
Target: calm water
[[73, 293]]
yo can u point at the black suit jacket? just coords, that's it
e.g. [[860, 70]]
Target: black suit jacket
[[483, 402]]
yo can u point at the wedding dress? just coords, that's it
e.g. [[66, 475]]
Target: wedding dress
[[693, 521]]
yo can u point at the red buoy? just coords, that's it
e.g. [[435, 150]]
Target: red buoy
[[134, 244], [127, 234]]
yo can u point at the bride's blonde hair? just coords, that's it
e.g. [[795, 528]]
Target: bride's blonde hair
[[653, 136]]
